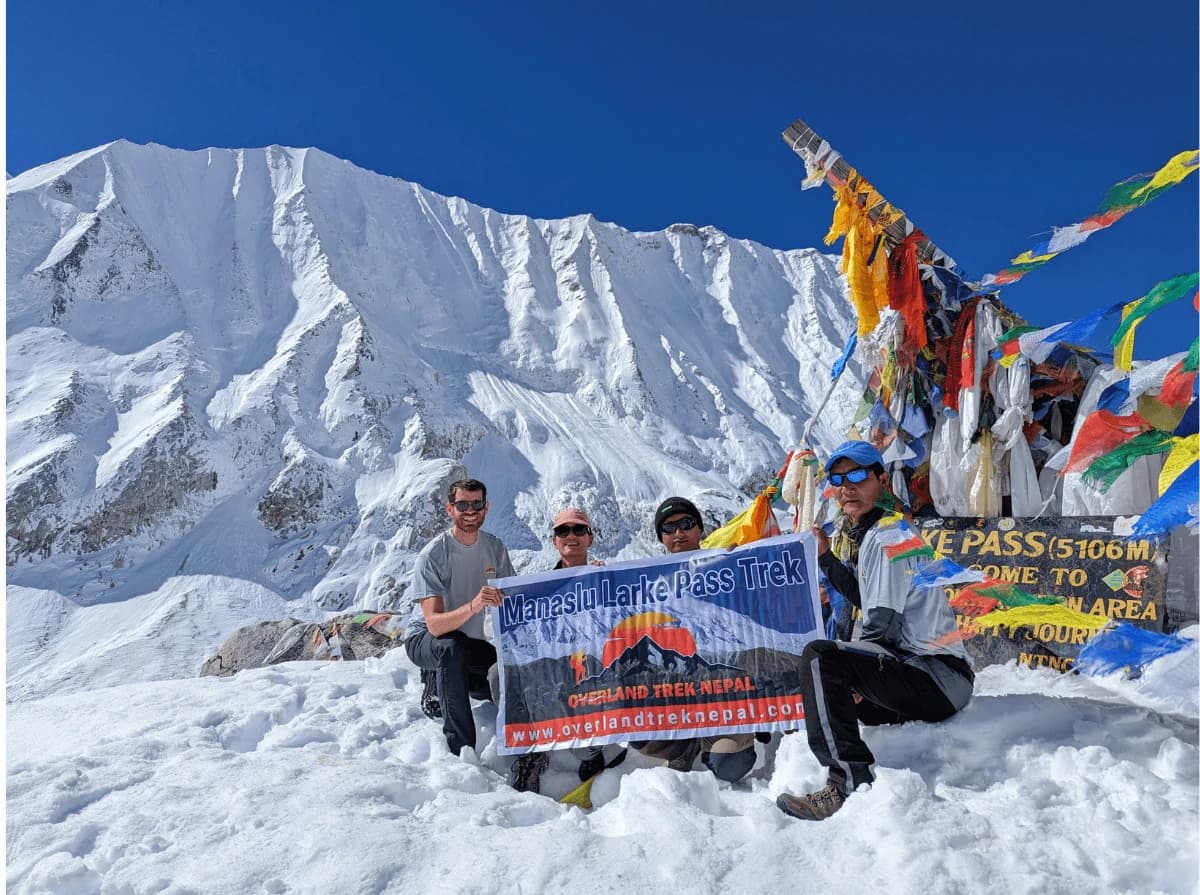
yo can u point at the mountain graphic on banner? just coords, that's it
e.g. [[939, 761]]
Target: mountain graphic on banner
[[649, 657], [661, 629]]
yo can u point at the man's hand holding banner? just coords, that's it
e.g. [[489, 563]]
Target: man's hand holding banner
[[687, 645]]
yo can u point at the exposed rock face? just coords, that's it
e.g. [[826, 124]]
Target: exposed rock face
[[248, 647], [348, 637], [171, 468]]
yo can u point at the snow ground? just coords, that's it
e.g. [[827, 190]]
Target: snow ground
[[326, 777]]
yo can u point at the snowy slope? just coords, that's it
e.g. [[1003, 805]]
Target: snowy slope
[[326, 777], [56, 646], [263, 366]]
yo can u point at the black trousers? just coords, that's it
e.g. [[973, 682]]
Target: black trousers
[[892, 692], [461, 664]]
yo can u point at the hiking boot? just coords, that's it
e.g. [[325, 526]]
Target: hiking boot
[[683, 762], [814, 806], [592, 765], [430, 704], [525, 775]]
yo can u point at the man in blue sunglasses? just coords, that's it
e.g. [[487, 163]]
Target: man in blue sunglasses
[[899, 664]]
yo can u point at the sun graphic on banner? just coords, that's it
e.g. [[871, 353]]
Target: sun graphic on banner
[[665, 630]]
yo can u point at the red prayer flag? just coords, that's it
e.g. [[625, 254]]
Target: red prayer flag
[[1177, 386], [905, 292], [1101, 433]]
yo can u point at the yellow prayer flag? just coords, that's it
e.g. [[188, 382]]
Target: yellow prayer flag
[[1179, 167], [1185, 452], [868, 281], [581, 795], [725, 535], [843, 214], [748, 525], [1027, 257], [1123, 353], [1042, 614]]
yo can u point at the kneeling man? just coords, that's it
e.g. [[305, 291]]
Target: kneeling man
[[898, 667], [450, 590]]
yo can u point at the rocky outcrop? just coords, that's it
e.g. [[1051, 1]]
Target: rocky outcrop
[[306, 491], [170, 469], [360, 635]]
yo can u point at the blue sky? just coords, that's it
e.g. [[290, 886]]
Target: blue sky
[[987, 123]]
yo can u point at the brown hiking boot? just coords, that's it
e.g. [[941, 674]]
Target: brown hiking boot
[[814, 806]]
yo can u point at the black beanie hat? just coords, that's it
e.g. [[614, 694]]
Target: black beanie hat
[[671, 507]]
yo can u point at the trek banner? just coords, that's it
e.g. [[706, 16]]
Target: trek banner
[[687, 645]]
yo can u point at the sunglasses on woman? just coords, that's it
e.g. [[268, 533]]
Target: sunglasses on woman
[[687, 523], [464, 506], [855, 476], [578, 530]]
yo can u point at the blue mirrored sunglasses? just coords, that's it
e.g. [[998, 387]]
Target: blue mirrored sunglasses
[[855, 476]]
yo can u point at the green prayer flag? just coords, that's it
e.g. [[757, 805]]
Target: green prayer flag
[[1160, 296], [1104, 471]]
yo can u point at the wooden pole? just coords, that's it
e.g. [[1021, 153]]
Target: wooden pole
[[805, 142]]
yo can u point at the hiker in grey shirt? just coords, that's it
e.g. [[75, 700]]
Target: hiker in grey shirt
[[450, 593]]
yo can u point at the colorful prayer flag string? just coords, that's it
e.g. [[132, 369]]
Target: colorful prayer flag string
[[1121, 199]]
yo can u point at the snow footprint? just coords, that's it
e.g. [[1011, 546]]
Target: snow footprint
[[247, 735], [529, 811]]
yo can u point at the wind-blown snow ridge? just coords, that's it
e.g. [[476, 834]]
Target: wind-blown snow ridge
[[265, 365]]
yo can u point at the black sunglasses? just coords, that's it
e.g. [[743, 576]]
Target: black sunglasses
[[578, 530], [855, 476], [687, 523], [464, 506]]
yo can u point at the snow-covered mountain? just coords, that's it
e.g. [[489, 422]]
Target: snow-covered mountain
[[263, 366]]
